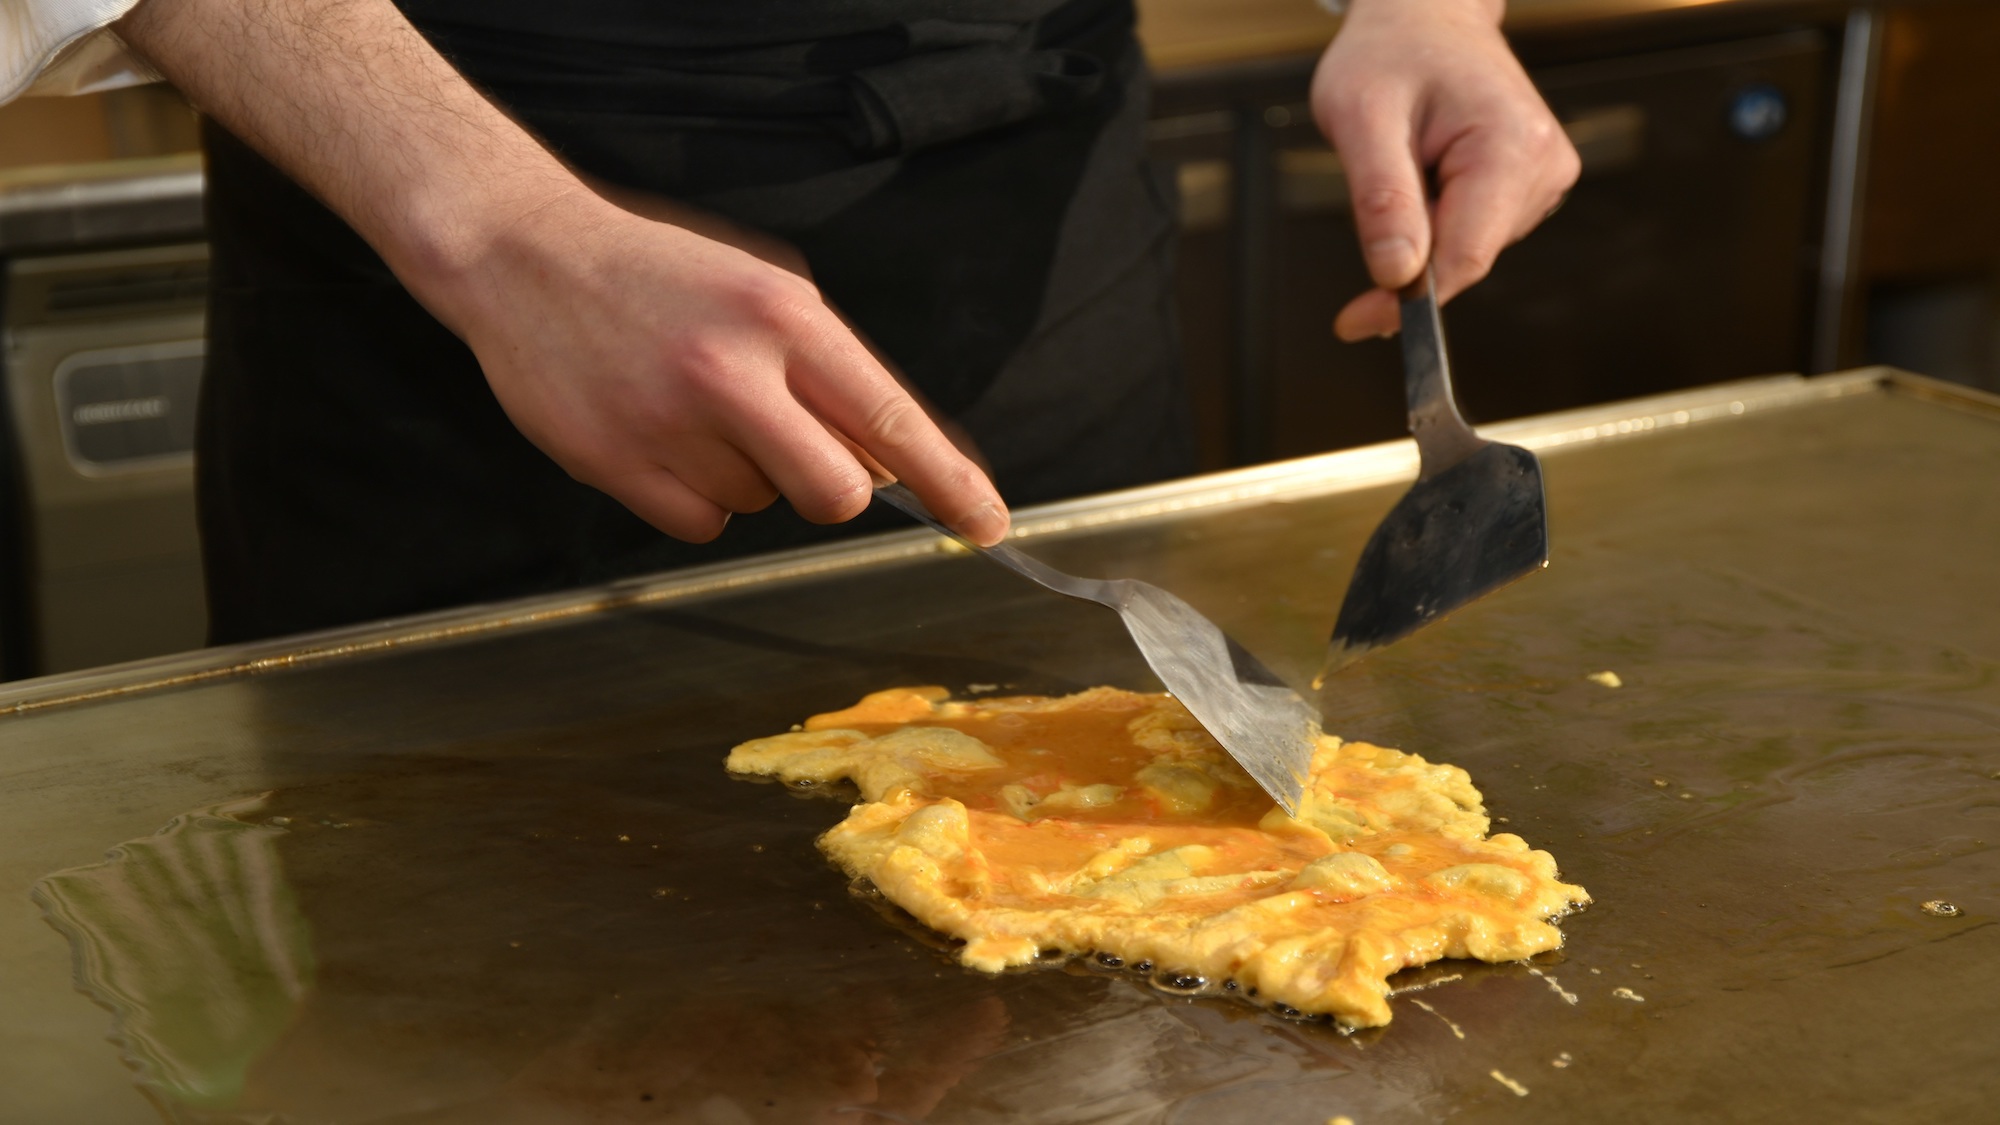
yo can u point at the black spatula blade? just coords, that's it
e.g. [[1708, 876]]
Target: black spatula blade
[[1458, 536]]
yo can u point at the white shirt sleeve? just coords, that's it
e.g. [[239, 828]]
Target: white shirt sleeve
[[64, 47]]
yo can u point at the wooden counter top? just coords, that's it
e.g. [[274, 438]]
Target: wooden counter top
[[1195, 33], [1182, 34], [1179, 35]]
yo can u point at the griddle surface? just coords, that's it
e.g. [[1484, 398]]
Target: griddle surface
[[515, 884]]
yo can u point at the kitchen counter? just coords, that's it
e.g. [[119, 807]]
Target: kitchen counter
[[67, 207], [158, 197], [1183, 34]]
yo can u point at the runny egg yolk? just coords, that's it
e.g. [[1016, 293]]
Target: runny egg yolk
[[1110, 822]]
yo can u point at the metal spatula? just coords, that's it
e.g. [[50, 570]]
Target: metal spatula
[[1474, 521], [1264, 725]]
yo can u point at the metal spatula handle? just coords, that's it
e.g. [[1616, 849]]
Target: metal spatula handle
[[1089, 589], [1443, 438]]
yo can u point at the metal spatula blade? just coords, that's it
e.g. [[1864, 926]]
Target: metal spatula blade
[[1475, 520], [1263, 724]]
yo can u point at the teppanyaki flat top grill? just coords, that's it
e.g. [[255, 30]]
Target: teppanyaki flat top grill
[[512, 882]]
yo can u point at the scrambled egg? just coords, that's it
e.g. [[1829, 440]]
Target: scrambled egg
[[1110, 822]]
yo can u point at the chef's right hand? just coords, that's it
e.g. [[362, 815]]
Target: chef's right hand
[[690, 379], [685, 377]]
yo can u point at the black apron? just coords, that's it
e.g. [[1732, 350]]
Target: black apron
[[971, 193]]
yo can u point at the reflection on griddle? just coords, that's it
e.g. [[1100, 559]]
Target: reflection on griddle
[[193, 940], [510, 949]]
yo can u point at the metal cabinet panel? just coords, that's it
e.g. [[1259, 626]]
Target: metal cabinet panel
[[102, 366]]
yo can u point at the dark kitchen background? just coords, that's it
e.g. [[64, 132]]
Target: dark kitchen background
[[1769, 186]]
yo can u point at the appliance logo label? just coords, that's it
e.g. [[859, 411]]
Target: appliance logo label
[[124, 410], [129, 408]]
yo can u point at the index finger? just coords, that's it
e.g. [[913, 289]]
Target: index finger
[[836, 379], [1385, 186]]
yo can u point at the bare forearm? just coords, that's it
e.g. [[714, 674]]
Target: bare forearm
[[680, 374], [354, 104]]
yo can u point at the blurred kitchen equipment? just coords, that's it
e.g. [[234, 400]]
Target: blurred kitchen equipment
[[1264, 725], [1703, 200], [1475, 520], [103, 355]]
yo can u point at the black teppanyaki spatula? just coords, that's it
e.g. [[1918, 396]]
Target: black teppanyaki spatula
[[1474, 521]]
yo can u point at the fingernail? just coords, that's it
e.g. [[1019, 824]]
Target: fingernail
[[1392, 260], [986, 526]]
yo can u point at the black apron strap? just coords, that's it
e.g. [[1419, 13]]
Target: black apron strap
[[936, 97], [891, 91]]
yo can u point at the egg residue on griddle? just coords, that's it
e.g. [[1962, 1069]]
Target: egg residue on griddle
[[1109, 822]]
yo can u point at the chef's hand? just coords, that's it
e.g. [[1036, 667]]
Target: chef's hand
[[1415, 84], [690, 378], [686, 377]]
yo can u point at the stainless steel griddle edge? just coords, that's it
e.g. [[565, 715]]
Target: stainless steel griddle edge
[[1297, 479]]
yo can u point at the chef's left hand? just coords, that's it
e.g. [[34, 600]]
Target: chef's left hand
[[1415, 84]]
